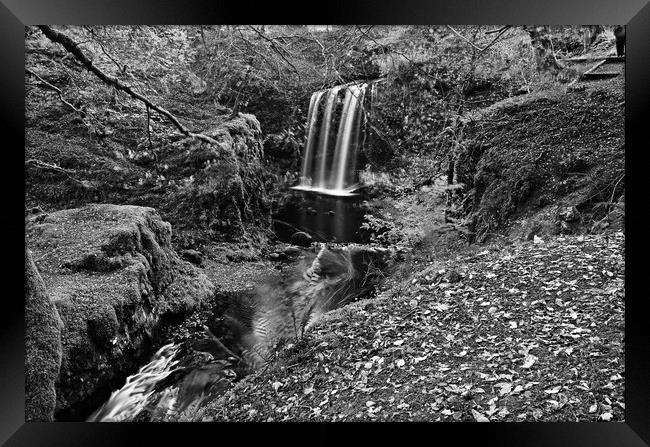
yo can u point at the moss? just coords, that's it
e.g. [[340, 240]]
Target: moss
[[113, 275], [539, 149], [43, 347]]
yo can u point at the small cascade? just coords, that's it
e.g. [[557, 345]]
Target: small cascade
[[329, 161], [127, 402]]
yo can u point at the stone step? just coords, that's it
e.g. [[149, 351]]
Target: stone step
[[607, 59], [600, 75]]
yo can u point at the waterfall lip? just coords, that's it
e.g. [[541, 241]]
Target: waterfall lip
[[345, 192]]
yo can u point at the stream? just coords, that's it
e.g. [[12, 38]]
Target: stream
[[326, 206], [183, 375]]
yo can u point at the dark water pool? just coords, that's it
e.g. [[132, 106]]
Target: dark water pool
[[325, 218]]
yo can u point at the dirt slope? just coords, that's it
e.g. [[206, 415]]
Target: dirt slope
[[528, 331]]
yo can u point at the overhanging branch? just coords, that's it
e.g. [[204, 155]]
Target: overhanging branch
[[73, 48]]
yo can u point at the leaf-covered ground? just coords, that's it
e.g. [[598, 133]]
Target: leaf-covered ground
[[531, 331]]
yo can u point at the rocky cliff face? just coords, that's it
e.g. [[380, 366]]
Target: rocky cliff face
[[113, 277], [42, 346]]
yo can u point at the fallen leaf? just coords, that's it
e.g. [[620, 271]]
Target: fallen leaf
[[529, 360], [479, 417]]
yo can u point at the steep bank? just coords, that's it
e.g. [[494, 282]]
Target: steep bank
[[113, 277], [525, 332], [529, 157]]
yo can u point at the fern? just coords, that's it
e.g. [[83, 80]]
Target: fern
[[285, 311]]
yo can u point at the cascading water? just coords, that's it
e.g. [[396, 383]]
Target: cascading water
[[125, 403], [311, 137], [323, 140], [330, 168], [182, 375]]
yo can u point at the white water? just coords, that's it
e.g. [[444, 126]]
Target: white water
[[330, 169], [323, 140], [125, 403], [311, 140], [347, 126]]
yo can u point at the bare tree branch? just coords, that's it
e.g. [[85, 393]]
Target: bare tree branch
[[52, 167], [277, 48], [476, 47], [55, 89], [73, 48]]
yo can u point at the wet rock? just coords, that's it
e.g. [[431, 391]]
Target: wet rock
[[113, 277], [301, 238], [103, 328], [193, 256], [568, 214], [42, 347], [292, 252]]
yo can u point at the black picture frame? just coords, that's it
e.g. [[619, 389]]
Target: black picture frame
[[16, 14]]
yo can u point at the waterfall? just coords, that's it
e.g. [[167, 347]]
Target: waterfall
[[349, 125], [329, 164], [311, 140], [323, 139]]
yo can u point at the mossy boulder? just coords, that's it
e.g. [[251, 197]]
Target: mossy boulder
[[209, 190], [113, 276], [42, 347], [221, 186]]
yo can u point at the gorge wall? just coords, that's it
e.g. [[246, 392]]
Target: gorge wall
[[113, 277]]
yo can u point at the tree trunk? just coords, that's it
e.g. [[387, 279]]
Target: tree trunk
[[545, 59], [590, 33]]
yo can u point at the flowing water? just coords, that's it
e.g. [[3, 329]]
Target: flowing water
[[328, 208], [181, 376], [127, 402], [329, 161]]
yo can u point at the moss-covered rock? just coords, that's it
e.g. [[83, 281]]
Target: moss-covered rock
[[42, 347], [112, 274], [221, 186], [215, 190]]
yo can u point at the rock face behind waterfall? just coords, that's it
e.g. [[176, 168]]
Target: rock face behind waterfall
[[113, 277], [42, 347]]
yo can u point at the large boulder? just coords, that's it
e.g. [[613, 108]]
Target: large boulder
[[42, 347], [114, 278], [221, 185]]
